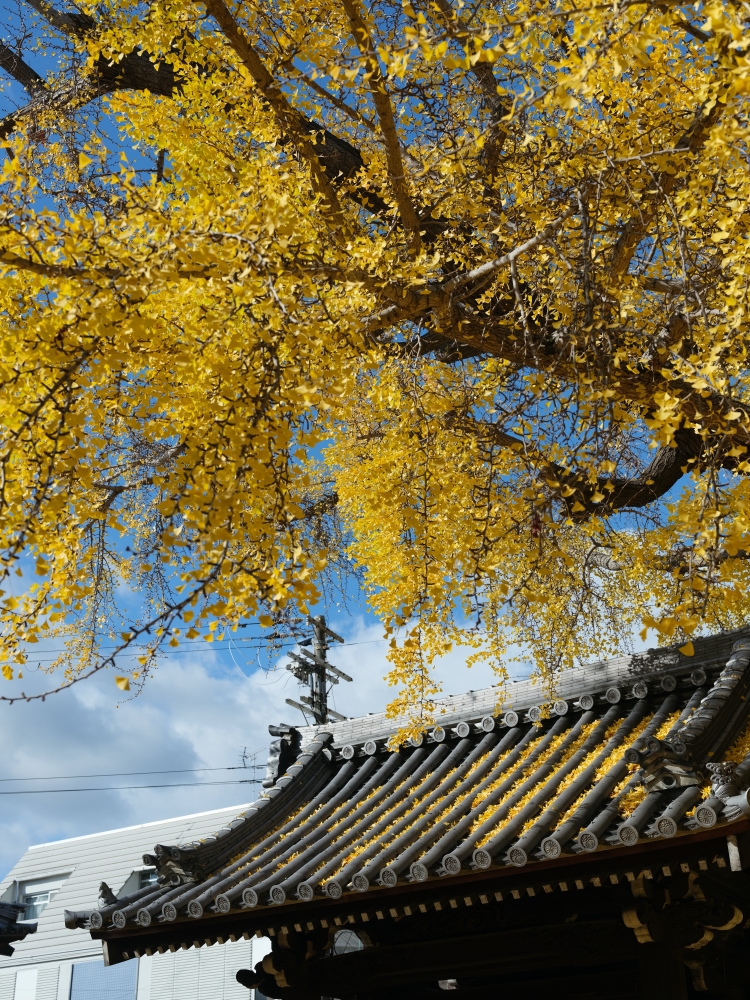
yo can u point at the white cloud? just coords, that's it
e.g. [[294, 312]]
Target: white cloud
[[198, 710]]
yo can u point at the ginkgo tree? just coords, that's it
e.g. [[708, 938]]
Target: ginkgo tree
[[452, 293]]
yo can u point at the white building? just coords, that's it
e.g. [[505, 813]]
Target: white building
[[59, 964]]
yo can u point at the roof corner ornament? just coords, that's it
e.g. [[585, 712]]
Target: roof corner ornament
[[74, 919], [283, 751], [725, 787], [664, 764], [723, 779], [106, 896]]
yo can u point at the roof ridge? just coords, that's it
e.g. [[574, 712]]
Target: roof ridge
[[589, 678]]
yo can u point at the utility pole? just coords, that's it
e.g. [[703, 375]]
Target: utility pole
[[314, 670]]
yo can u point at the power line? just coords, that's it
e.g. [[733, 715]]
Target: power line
[[118, 788], [131, 774], [215, 645], [215, 642]]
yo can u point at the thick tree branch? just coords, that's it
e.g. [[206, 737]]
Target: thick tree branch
[[440, 297], [638, 227], [114, 490], [46, 270], [606, 494], [134, 71], [667, 467], [482, 72], [72, 24], [487, 270], [599, 557], [683, 558], [13, 64], [291, 122], [382, 102]]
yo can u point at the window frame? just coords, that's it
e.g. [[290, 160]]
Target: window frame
[[28, 893], [143, 881]]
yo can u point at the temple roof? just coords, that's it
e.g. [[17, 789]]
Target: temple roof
[[634, 749], [10, 930]]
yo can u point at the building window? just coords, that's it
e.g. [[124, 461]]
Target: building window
[[37, 895], [146, 878], [92, 981], [35, 902]]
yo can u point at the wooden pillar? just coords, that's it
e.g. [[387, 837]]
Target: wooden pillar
[[663, 975]]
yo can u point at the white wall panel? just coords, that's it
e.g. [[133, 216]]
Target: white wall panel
[[186, 974], [63, 981], [46, 987], [26, 981], [162, 977], [145, 967], [239, 955], [211, 973], [7, 985], [204, 974]]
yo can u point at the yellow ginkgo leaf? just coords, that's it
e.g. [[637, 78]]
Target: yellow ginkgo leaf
[[123, 683], [688, 649]]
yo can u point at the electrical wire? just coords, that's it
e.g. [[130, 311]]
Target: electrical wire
[[132, 774], [183, 652], [232, 638], [119, 788]]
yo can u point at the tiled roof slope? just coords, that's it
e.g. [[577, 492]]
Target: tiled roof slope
[[605, 767]]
